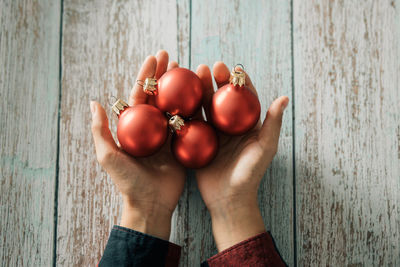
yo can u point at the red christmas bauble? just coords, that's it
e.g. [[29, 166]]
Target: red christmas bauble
[[142, 129], [234, 108], [179, 91], [194, 144]]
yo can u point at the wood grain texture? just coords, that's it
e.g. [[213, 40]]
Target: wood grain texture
[[256, 34], [29, 68], [347, 132], [347, 121], [104, 44], [179, 232]]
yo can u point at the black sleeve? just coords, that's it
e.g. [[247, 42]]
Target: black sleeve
[[127, 247]]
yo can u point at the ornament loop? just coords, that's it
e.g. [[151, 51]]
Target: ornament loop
[[169, 115], [114, 100], [238, 65], [140, 82]]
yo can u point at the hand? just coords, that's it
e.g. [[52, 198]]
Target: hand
[[230, 183], [150, 186]]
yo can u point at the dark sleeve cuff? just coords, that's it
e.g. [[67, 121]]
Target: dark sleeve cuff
[[127, 247], [258, 250]]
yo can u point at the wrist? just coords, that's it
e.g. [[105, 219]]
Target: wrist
[[235, 220], [152, 219]]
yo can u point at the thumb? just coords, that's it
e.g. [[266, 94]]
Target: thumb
[[271, 128], [103, 140]]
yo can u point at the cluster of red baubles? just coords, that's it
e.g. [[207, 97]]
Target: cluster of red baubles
[[143, 129]]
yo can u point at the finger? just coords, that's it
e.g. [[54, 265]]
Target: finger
[[138, 96], [162, 63], [172, 65], [270, 130], [103, 140], [204, 74], [221, 73]]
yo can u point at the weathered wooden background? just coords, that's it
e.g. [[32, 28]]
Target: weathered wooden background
[[330, 198]]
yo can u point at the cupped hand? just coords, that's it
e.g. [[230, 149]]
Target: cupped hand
[[150, 186], [230, 183]]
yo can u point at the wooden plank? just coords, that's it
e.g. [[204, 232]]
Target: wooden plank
[[104, 44], [29, 90], [256, 34], [179, 233], [347, 132]]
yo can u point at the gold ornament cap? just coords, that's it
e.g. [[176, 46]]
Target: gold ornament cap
[[149, 86], [176, 123], [119, 105], [237, 77]]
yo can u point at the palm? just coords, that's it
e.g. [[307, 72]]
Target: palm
[[228, 174], [159, 176], [148, 180], [241, 160]]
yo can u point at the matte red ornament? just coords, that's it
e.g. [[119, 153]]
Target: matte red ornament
[[142, 129], [234, 108], [194, 144], [178, 91]]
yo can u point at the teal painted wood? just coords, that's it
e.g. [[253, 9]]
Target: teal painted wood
[[29, 90], [347, 132], [104, 44], [179, 225], [256, 34]]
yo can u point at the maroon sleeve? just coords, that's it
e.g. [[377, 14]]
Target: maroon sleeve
[[256, 251]]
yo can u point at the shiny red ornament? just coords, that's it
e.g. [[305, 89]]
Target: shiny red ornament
[[234, 108], [194, 144], [142, 129], [178, 91]]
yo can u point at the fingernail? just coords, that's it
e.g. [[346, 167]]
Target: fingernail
[[92, 107]]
